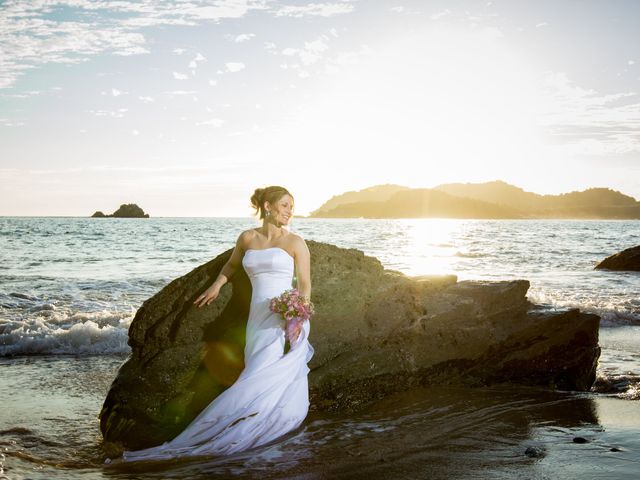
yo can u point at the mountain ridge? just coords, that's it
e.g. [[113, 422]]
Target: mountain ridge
[[495, 199]]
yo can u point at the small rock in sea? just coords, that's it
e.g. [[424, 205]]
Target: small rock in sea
[[580, 440], [615, 449], [628, 259], [534, 452], [24, 296]]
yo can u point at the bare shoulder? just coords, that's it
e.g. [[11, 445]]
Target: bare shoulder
[[298, 244], [245, 238]]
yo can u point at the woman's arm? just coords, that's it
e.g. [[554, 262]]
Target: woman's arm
[[233, 264], [303, 267], [226, 272]]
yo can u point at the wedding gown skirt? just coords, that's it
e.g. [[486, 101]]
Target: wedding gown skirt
[[271, 395]]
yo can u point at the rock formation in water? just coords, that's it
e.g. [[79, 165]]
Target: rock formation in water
[[375, 332], [126, 210], [628, 259]]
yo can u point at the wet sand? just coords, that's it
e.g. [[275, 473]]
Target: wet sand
[[49, 429]]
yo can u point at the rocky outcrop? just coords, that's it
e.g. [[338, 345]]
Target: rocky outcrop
[[375, 332], [628, 259], [126, 210]]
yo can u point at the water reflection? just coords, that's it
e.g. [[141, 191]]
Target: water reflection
[[434, 432]]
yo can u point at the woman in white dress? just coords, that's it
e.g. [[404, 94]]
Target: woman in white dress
[[271, 395]]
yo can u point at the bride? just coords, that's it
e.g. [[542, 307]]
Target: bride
[[271, 395]]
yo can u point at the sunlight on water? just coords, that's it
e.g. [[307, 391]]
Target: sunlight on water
[[74, 284], [429, 241]]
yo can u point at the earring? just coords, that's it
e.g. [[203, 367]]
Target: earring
[[268, 213]]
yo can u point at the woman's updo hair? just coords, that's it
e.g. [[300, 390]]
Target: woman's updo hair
[[269, 194]]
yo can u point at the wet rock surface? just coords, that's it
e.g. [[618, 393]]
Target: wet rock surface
[[628, 259]]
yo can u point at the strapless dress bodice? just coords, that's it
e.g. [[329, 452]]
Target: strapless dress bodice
[[270, 271]]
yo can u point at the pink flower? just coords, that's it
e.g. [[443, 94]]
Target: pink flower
[[294, 309]]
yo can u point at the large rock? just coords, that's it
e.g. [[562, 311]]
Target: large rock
[[628, 259], [375, 332]]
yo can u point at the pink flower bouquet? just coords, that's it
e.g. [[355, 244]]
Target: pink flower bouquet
[[295, 309]]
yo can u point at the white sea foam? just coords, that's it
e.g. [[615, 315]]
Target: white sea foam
[[612, 312], [104, 334]]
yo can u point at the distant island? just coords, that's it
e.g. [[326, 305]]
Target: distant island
[[126, 210], [490, 200]]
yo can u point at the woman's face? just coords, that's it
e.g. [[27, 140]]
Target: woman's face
[[282, 210]]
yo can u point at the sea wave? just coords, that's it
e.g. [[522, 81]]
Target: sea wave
[[470, 254], [623, 385], [612, 313], [83, 333]]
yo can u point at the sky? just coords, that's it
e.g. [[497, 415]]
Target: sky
[[185, 107]]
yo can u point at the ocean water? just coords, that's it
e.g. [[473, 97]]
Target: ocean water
[[69, 288]]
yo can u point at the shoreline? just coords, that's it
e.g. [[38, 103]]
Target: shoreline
[[427, 432]]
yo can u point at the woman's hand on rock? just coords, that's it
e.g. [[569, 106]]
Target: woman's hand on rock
[[208, 296]]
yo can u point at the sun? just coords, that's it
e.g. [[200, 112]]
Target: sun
[[418, 109]]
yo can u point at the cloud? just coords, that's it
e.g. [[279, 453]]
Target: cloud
[[153, 22], [588, 121], [338, 62], [37, 32], [30, 40], [314, 9], [25, 94], [119, 113], [180, 76], [441, 14], [222, 9], [131, 50], [214, 122], [5, 122], [181, 92], [243, 37], [311, 52], [193, 64], [234, 66]]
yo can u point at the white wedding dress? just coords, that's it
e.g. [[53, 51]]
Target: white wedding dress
[[271, 395]]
